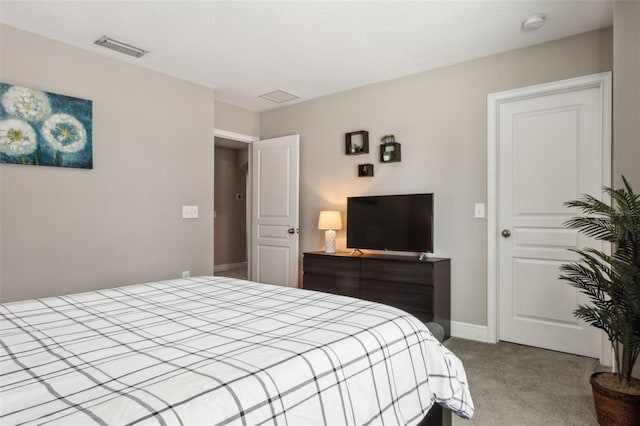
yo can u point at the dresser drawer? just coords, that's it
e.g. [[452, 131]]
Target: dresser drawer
[[407, 272], [344, 286], [331, 275], [408, 297], [331, 265]]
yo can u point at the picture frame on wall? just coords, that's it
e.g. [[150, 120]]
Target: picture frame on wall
[[45, 129]]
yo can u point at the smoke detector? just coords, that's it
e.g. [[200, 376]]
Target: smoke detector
[[533, 22]]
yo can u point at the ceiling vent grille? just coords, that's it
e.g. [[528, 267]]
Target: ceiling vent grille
[[120, 46], [279, 96]]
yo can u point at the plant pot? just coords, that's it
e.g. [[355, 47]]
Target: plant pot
[[614, 407]]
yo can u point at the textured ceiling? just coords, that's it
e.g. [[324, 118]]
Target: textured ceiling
[[245, 49]]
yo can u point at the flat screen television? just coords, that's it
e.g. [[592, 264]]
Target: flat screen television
[[391, 222]]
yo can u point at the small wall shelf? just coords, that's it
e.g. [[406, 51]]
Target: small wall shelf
[[365, 170], [390, 152], [357, 142]]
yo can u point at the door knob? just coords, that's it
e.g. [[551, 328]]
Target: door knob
[[291, 230], [506, 233]]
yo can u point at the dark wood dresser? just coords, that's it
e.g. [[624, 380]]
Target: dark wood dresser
[[422, 288]]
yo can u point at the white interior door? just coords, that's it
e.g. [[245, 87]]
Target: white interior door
[[553, 144], [275, 231]]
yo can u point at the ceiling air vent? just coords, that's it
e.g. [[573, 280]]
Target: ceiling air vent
[[121, 47], [279, 96]]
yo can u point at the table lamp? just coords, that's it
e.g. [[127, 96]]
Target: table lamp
[[330, 221]]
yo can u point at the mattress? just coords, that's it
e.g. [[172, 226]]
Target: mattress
[[214, 350]]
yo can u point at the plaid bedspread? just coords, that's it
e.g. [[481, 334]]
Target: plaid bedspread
[[213, 350]]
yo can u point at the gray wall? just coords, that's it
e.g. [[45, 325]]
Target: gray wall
[[626, 92], [230, 242], [70, 230], [236, 119], [440, 118]]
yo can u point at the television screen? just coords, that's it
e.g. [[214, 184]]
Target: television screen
[[391, 222]]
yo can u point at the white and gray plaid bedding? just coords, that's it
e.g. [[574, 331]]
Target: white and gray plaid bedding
[[213, 350]]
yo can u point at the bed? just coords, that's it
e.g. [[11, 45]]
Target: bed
[[214, 351]]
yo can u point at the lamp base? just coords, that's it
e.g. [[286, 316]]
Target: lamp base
[[330, 241]]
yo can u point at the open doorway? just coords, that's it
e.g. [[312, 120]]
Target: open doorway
[[231, 196]]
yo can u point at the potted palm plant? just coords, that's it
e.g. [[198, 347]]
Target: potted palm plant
[[612, 283]]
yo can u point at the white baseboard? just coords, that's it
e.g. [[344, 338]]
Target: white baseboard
[[229, 266], [468, 331]]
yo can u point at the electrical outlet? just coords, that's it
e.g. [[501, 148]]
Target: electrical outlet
[[185, 274], [189, 212]]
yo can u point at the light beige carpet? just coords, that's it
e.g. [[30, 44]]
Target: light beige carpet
[[240, 273], [520, 385]]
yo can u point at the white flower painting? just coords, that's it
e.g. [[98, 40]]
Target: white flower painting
[[46, 129], [27, 104], [17, 138], [64, 133]]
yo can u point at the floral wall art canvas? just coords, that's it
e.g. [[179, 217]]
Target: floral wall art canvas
[[45, 129]]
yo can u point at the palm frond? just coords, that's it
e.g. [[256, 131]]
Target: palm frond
[[595, 227]]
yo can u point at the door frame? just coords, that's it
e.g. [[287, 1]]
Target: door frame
[[601, 81], [248, 139]]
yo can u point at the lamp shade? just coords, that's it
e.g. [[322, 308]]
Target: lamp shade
[[329, 220]]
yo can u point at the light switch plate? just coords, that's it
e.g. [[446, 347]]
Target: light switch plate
[[479, 211], [189, 212]]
